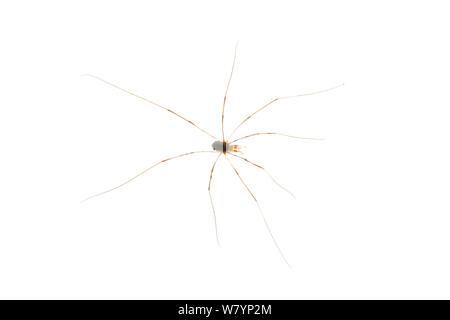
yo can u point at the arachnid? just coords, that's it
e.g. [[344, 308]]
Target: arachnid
[[222, 147]]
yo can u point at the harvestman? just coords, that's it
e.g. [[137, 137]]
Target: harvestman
[[223, 147]]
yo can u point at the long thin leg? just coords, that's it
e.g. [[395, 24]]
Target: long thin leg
[[279, 98], [276, 133], [210, 198], [226, 92], [154, 103], [260, 210], [138, 175], [270, 176]]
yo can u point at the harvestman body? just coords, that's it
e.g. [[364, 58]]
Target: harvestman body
[[222, 147]]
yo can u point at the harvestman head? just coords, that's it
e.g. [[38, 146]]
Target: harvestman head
[[221, 147]]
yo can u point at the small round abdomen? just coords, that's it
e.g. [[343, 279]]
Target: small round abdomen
[[221, 146]]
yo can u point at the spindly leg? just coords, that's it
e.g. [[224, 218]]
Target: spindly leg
[[210, 198], [226, 92], [276, 99], [149, 101], [270, 176], [273, 133], [260, 210], [138, 175]]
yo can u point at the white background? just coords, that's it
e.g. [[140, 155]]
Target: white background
[[371, 218]]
